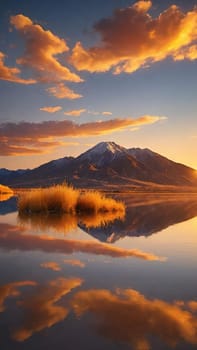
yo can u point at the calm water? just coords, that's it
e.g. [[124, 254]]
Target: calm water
[[101, 282]]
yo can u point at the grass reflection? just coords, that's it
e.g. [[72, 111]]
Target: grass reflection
[[67, 222]]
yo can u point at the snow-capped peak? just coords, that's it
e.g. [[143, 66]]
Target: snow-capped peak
[[107, 146], [103, 151]]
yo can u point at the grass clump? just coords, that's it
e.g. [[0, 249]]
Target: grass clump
[[61, 199], [54, 199], [5, 190], [94, 202]]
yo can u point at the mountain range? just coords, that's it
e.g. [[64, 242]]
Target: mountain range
[[106, 165]]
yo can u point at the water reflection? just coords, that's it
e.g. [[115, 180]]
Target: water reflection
[[127, 304], [12, 238], [124, 316], [128, 316], [67, 222], [7, 205], [146, 215], [41, 310], [12, 290]]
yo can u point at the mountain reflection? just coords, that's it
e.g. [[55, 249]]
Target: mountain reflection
[[146, 214], [127, 316]]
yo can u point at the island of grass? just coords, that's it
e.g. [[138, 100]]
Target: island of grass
[[62, 199], [5, 190]]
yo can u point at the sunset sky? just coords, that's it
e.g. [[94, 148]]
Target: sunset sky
[[75, 73]]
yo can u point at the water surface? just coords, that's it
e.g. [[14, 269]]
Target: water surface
[[101, 282]]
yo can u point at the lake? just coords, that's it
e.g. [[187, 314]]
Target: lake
[[101, 282]]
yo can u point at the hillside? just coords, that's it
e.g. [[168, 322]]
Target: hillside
[[107, 165]]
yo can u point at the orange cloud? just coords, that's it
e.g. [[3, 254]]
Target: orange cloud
[[61, 91], [106, 113], [52, 265], [33, 138], [41, 310], [129, 317], [189, 53], [42, 47], [74, 262], [11, 238], [193, 305], [51, 109], [27, 146], [132, 39], [75, 112], [11, 290], [12, 74]]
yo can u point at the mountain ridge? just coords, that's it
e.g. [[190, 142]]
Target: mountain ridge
[[106, 163]]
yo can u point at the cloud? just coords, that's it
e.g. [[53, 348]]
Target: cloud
[[41, 310], [75, 112], [12, 74], [61, 91], [12, 290], [27, 146], [34, 138], [41, 49], [51, 265], [11, 238], [187, 53], [129, 317], [132, 39], [74, 262], [106, 113], [51, 109], [97, 113]]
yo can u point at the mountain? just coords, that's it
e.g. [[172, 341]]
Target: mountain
[[106, 165]]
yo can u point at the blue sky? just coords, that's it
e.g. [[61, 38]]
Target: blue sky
[[141, 71]]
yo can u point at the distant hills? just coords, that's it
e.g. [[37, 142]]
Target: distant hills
[[107, 165]]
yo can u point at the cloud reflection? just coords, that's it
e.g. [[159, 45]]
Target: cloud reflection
[[12, 290], [128, 316], [51, 265], [41, 310], [12, 238], [74, 262]]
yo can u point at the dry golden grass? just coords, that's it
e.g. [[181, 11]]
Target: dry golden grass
[[95, 202], [55, 199], [65, 199], [5, 190]]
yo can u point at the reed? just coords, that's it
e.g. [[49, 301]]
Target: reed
[[95, 202], [5, 190], [61, 199], [54, 199]]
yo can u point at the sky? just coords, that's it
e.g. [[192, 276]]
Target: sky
[[75, 73]]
